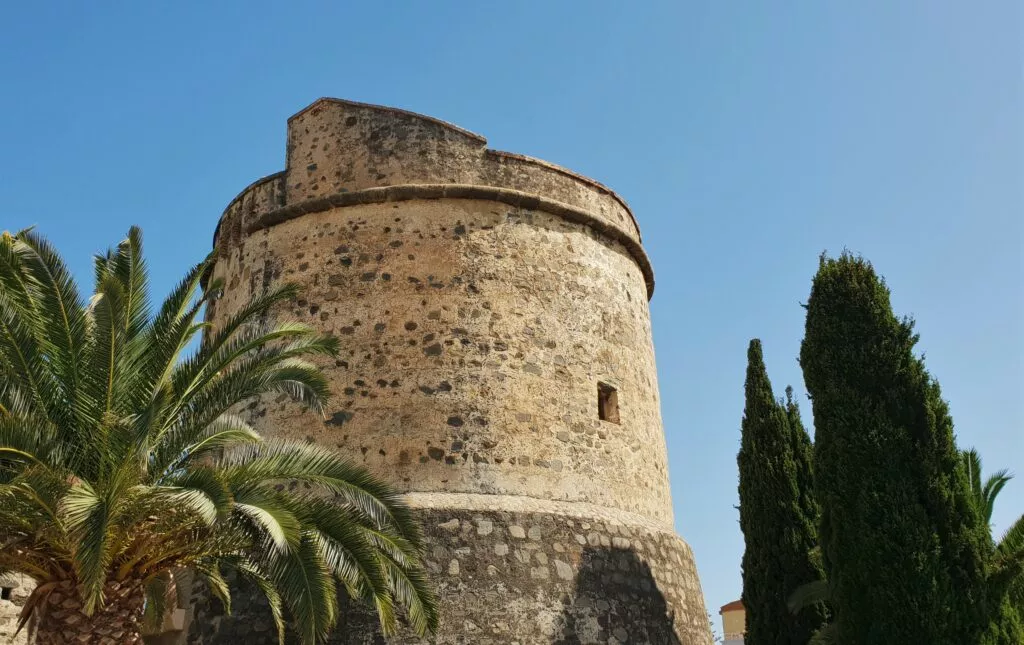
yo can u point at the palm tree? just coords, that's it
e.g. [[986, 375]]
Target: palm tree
[[121, 460], [1008, 552]]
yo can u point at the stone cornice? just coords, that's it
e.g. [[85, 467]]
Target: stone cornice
[[508, 196]]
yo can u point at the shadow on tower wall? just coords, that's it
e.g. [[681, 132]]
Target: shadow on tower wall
[[616, 601], [613, 600]]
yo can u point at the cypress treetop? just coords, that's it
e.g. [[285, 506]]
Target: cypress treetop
[[902, 546]]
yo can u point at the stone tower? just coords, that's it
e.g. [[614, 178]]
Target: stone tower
[[497, 366]]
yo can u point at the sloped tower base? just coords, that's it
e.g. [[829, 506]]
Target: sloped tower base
[[533, 573]]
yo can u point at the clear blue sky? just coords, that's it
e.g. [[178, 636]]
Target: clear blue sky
[[748, 137]]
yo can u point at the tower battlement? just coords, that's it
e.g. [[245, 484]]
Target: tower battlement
[[342, 152]]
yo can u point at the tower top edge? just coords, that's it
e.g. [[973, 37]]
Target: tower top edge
[[478, 140], [338, 148], [385, 109]]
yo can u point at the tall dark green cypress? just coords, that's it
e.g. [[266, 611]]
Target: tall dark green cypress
[[902, 546], [778, 532]]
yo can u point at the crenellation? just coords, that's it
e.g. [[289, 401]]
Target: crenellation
[[338, 148]]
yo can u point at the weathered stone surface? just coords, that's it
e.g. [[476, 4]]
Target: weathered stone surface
[[581, 594], [493, 309], [18, 587], [482, 300]]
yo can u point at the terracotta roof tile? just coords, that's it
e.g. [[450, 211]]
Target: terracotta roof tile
[[732, 606]]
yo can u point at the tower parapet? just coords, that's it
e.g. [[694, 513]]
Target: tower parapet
[[428, 159]]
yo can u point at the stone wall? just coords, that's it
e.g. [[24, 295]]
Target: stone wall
[[17, 588], [474, 338], [530, 573]]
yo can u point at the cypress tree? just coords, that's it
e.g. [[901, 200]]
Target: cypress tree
[[902, 546], [778, 532], [1006, 628]]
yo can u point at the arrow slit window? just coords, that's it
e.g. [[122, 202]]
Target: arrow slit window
[[607, 403]]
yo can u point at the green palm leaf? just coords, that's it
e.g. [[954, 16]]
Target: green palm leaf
[[984, 495], [827, 635], [808, 595], [307, 588], [252, 573], [60, 310], [85, 515]]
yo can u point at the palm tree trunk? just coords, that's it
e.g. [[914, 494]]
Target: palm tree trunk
[[63, 621]]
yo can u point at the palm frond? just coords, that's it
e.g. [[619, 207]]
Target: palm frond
[[827, 635], [282, 461], [13, 277], [206, 480], [258, 369], [180, 499], [1013, 539], [13, 401], [269, 514], [85, 515], [23, 359], [347, 547], [307, 588], [210, 573], [192, 443], [990, 491], [192, 375], [107, 313], [189, 373], [129, 267], [173, 328], [972, 465], [30, 440], [809, 594], [250, 378], [160, 594], [254, 574], [249, 314], [60, 312], [410, 588], [34, 489]]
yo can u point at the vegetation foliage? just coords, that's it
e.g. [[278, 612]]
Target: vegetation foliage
[[906, 550], [777, 513], [122, 458]]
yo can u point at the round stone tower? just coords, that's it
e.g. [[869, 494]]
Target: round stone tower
[[496, 366]]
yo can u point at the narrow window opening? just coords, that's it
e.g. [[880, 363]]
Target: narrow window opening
[[607, 403], [5, 593]]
